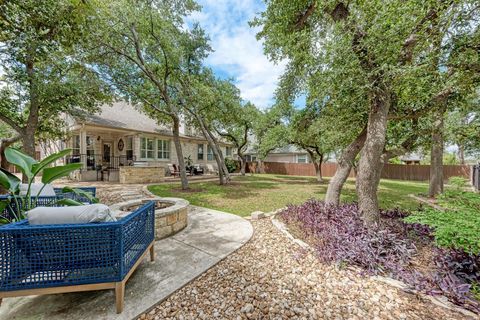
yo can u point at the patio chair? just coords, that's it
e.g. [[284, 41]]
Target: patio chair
[[48, 259], [173, 170], [197, 169], [211, 169]]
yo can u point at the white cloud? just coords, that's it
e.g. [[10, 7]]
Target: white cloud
[[237, 53]]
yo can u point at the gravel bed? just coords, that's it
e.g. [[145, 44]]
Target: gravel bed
[[272, 278]]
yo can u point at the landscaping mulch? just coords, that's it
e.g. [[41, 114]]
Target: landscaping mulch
[[272, 278]]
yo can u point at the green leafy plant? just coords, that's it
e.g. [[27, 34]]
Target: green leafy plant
[[231, 165], [31, 169], [458, 182], [458, 226], [188, 161]]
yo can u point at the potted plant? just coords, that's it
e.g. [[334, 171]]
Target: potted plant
[[31, 169]]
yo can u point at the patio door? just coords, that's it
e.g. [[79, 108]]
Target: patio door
[[107, 153]]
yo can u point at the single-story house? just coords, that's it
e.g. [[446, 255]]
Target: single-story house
[[286, 154], [411, 158], [121, 138]]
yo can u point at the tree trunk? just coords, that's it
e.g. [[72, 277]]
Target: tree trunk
[[178, 149], [436, 161], [344, 167], [221, 166], [211, 143], [369, 167], [461, 153], [4, 144], [317, 163], [243, 162]]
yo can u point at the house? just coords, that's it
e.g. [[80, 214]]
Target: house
[[123, 144], [411, 158], [286, 154]]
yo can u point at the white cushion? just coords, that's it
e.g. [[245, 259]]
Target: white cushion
[[47, 191], [70, 215]]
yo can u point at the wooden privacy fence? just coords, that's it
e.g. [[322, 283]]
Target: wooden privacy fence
[[390, 171]]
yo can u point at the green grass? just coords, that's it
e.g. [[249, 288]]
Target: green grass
[[269, 192]]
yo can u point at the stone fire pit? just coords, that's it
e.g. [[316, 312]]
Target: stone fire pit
[[170, 214]]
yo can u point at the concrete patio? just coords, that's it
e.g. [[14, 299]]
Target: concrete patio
[[210, 236]]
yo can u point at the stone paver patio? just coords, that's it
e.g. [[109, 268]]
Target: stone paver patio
[[209, 237]]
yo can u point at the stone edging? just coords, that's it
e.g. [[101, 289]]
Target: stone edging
[[439, 301]]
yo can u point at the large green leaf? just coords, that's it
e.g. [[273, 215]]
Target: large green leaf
[[50, 159], [22, 161], [9, 181], [4, 204], [54, 173], [81, 193]]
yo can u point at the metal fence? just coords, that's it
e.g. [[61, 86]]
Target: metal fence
[[97, 161]]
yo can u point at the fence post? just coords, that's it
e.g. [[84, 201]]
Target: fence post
[[476, 177]]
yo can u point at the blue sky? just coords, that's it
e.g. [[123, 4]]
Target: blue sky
[[238, 54]]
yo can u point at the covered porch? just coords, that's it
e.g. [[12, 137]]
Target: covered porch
[[109, 154]]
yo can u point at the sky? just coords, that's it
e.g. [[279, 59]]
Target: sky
[[237, 53]]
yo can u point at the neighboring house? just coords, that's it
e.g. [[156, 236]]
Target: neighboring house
[[287, 154], [121, 136], [411, 158]]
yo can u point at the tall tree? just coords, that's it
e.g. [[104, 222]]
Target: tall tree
[[235, 123], [382, 40], [40, 52], [144, 52]]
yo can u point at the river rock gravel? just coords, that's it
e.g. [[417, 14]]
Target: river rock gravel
[[272, 278]]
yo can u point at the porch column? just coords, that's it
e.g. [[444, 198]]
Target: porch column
[[136, 147], [83, 147]]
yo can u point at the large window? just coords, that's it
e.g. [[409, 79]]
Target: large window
[[228, 151], [147, 148], [163, 149], [129, 148], [76, 145], [90, 152], [209, 154], [200, 152], [302, 158]]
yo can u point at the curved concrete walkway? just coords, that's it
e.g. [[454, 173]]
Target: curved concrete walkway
[[209, 237]]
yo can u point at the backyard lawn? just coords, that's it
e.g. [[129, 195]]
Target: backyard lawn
[[267, 192]]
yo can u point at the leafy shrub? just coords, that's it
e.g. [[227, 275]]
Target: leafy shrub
[[231, 165], [458, 182], [338, 236], [452, 229]]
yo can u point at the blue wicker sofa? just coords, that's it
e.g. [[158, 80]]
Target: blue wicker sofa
[[46, 259]]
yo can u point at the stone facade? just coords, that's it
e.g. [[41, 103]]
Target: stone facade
[[168, 221], [172, 219], [130, 174]]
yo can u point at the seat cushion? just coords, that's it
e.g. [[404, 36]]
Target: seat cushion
[[70, 215], [47, 191]]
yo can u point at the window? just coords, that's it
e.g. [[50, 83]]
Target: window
[[90, 153], [129, 148], [76, 145], [200, 152], [228, 151], [302, 158], [209, 154], [163, 149], [147, 148]]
